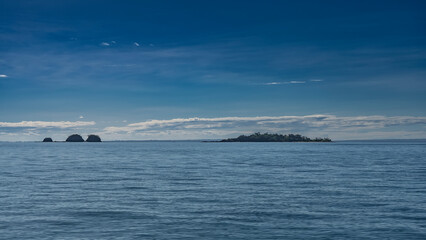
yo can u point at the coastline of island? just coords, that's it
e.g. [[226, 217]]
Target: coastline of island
[[273, 137]]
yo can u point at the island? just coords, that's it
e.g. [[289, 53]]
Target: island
[[269, 137], [74, 138], [93, 138], [48, 139]]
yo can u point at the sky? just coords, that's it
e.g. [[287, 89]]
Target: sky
[[157, 70]]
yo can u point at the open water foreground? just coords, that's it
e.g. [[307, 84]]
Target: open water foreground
[[196, 190]]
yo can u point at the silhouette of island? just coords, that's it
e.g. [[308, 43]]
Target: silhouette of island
[[269, 137], [93, 138], [74, 138], [48, 139]]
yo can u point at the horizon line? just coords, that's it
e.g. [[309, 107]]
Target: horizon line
[[200, 140]]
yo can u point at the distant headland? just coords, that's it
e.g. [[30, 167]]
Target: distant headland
[[77, 138], [269, 137]]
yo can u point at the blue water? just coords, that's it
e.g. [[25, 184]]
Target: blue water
[[195, 190]]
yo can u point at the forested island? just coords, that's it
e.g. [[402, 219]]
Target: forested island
[[269, 137]]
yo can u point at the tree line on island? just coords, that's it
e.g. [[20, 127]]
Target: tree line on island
[[269, 137], [78, 138]]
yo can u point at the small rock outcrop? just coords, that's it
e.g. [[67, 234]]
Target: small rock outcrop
[[93, 138], [47, 139], [74, 138]]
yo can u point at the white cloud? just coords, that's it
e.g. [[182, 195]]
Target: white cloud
[[312, 125], [105, 44], [316, 80], [81, 117], [136, 44], [297, 82], [3, 76], [113, 42], [43, 124]]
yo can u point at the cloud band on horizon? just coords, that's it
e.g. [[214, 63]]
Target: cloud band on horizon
[[44, 124], [324, 125], [320, 125]]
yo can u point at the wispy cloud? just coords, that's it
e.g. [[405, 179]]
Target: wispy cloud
[[273, 83], [43, 124], [136, 44], [282, 83], [3, 76], [81, 117], [105, 44], [321, 125], [316, 80]]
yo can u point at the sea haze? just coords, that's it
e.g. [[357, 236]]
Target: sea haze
[[196, 190]]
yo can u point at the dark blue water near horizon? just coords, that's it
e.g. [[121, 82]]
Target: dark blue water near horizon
[[195, 190]]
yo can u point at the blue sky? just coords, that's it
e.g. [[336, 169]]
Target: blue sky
[[198, 69]]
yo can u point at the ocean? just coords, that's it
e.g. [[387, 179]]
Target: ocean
[[198, 190]]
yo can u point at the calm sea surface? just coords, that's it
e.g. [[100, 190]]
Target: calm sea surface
[[195, 190]]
